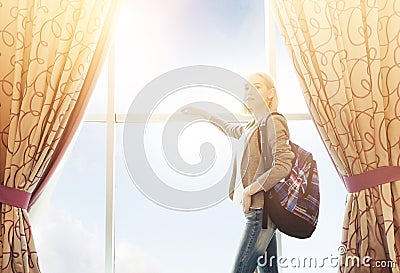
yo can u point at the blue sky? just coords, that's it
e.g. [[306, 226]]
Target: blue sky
[[154, 37]]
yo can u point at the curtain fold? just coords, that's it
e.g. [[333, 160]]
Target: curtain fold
[[50, 54], [347, 55]]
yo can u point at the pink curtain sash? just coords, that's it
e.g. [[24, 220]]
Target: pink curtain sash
[[372, 178], [14, 197]]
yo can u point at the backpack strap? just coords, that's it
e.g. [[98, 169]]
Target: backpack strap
[[264, 122], [310, 176], [264, 224], [262, 152]]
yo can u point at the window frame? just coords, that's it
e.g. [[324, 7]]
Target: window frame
[[111, 118]]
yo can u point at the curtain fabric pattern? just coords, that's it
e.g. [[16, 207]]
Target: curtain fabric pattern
[[347, 56], [47, 50]]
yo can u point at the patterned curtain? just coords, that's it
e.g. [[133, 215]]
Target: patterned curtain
[[50, 56], [347, 56]]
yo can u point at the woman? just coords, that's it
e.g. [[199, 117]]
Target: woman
[[254, 178]]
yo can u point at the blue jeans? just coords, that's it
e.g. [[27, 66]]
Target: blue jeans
[[254, 245]]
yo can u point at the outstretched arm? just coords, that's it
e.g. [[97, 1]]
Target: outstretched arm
[[232, 130]]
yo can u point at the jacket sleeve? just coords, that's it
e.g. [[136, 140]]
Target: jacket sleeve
[[282, 156], [232, 130]]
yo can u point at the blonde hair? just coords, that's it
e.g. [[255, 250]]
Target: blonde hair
[[269, 83]]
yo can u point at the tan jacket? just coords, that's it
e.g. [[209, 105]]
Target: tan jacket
[[252, 168]]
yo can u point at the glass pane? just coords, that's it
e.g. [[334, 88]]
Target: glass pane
[[69, 230], [290, 95], [151, 238], [98, 101], [156, 36]]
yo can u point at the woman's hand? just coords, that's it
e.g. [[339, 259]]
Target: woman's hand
[[246, 199], [251, 189], [196, 111]]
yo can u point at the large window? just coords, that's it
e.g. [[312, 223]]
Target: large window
[[76, 232]]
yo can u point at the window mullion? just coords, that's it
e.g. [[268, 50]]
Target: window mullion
[[110, 167]]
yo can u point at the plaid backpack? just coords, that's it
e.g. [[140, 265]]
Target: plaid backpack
[[293, 203]]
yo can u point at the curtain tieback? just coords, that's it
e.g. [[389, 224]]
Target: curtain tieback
[[372, 178], [14, 197]]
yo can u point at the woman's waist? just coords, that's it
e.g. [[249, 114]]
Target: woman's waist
[[257, 200]]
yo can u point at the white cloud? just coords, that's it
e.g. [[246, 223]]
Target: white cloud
[[65, 245], [130, 259]]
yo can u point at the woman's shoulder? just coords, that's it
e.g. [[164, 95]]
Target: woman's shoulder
[[279, 117], [280, 121], [274, 117]]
